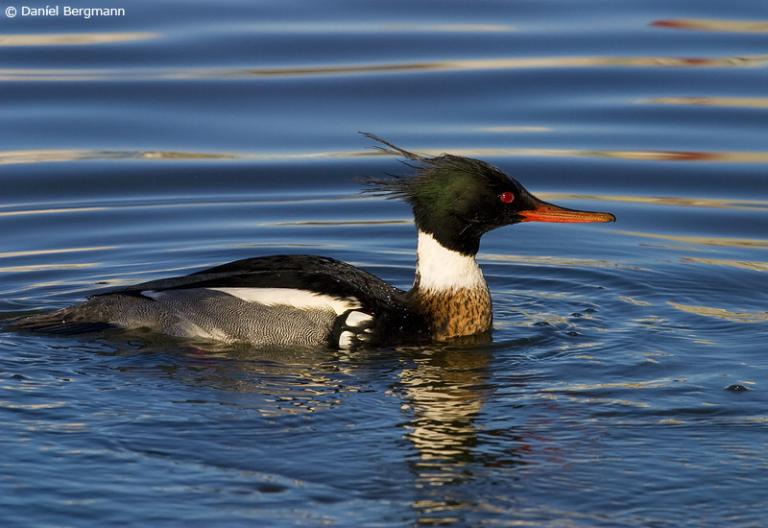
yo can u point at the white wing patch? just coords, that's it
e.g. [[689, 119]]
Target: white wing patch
[[299, 299], [355, 319], [358, 330], [346, 339]]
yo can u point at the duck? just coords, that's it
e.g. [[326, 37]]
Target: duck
[[309, 300]]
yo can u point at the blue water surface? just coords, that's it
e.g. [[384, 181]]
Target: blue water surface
[[626, 382]]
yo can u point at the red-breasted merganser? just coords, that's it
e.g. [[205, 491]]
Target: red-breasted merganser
[[312, 300]]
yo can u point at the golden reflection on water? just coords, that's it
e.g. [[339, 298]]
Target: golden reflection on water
[[739, 102], [47, 267], [38, 426], [445, 28], [72, 39], [702, 241], [509, 63], [677, 155], [633, 300], [9, 157], [631, 155], [363, 27], [672, 201], [521, 128], [722, 313], [492, 64], [28, 212], [7, 404], [594, 400], [700, 24], [197, 203], [46, 156], [37, 252], [545, 260], [739, 264], [633, 385], [340, 222]]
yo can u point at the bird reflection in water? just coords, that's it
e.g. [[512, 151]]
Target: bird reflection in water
[[444, 391]]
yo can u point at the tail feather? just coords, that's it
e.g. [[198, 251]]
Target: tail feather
[[59, 322]]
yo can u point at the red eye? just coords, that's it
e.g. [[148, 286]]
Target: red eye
[[507, 197]]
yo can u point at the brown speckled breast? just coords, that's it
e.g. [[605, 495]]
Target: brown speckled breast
[[456, 312]]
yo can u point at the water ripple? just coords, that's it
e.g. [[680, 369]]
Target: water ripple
[[11, 157], [722, 313], [72, 39], [40, 252], [698, 24], [668, 201], [371, 28], [47, 267], [739, 264], [448, 65], [703, 240], [55, 211], [737, 102]]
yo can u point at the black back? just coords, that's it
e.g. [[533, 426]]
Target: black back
[[321, 275], [395, 321]]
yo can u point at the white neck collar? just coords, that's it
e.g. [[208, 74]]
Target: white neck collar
[[439, 268]]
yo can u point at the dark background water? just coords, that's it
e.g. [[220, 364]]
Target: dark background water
[[187, 134]]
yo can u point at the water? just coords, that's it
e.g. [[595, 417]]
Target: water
[[187, 134]]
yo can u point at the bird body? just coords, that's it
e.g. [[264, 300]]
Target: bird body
[[313, 300]]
